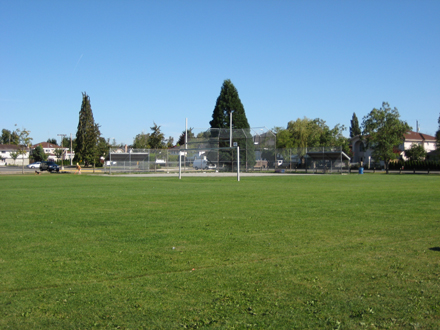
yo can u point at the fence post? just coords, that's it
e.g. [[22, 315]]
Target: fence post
[[238, 163], [110, 158]]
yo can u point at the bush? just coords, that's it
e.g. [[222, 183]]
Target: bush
[[420, 165]]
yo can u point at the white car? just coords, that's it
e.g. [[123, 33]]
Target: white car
[[34, 165], [200, 163]]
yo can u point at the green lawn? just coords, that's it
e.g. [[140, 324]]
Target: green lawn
[[285, 252]]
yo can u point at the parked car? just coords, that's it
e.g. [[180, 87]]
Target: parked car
[[49, 166], [34, 165]]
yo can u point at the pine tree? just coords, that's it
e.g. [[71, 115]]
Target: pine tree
[[229, 102], [354, 128], [87, 135], [437, 134]]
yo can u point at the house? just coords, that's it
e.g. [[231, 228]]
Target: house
[[49, 148], [427, 141], [6, 151], [362, 154]]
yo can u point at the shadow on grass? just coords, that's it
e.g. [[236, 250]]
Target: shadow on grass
[[435, 248]]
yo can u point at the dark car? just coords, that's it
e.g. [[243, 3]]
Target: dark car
[[49, 166]]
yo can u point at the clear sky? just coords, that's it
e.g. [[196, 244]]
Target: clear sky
[[163, 61]]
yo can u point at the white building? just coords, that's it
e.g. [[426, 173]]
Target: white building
[[49, 148], [6, 151], [362, 154]]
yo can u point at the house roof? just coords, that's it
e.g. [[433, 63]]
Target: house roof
[[6, 147], [410, 136], [48, 145], [416, 136]]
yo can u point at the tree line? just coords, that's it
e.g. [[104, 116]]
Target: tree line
[[382, 130]]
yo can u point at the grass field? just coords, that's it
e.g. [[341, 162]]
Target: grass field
[[285, 252]]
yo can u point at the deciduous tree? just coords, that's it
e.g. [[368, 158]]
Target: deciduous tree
[[38, 154], [14, 155], [59, 152], [307, 133], [141, 141], [24, 142], [9, 137], [383, 131], [416, 152]]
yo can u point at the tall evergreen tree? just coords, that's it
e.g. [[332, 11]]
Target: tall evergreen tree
[[229, 102], [437, 134], [87, 134], [354, 128]]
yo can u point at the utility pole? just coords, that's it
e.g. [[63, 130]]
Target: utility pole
[[62, 157]]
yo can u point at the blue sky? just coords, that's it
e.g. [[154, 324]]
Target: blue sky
[[163, 61]]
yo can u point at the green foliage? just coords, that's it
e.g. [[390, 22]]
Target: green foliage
[[52, 141], [283, 252], [437, 134], [153, 140], [38, 154], [65, 142], [354, 128], [156, 139], [170, 142], [102, 147], [59, 152], [141, 141], [24, 142], [14, 155], [87, 135], [229, 102], [384, 131], [418, 165], [190, 133], [9, 137], [306, 133], [416, 152]]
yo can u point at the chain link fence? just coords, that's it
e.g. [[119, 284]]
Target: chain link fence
[[224, 159]]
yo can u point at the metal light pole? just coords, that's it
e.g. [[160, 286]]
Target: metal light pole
[[230, 129]]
